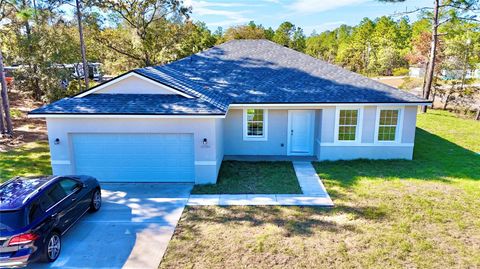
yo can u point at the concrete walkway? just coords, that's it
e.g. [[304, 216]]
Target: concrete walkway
[[314, 193]]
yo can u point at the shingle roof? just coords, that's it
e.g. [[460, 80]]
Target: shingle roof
[[261, 71], [239, 72], [130, 104]]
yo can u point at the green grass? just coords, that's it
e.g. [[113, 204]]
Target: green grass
[[15, 113], [29, 160], [388, 214], [253, 177]]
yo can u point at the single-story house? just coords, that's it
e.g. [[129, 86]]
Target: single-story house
[[177, 122]]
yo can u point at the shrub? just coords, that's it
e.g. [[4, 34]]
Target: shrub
[[400, 71]]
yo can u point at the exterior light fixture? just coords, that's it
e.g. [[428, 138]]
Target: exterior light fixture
[[57, 141], [205, 141]]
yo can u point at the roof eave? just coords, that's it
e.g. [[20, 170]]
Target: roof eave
[[124, 115]]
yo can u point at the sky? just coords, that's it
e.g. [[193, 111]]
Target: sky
[[318, 15]]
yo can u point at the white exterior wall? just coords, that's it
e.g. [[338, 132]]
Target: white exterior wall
[[134, 85], [206, 156]]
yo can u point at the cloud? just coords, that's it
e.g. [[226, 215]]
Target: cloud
[[226, 10], [316, 6]]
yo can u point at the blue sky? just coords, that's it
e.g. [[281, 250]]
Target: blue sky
[[319, 15]]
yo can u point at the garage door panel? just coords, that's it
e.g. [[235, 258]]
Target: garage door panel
[[135, 157]]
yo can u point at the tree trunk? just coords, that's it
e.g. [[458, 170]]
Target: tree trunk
[[5, 103], [446, 101], [478, 114], [2, 124], [82, 43], [433, 53]]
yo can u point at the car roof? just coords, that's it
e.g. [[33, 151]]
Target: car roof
[[15, 192]]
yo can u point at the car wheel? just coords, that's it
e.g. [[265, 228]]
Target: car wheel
[[53, 247], [96, 202]]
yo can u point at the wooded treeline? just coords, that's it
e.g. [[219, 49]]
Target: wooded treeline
[[43, 35]]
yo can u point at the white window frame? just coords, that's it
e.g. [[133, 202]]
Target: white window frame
[[398, 130], [359, 129], [247, 137]]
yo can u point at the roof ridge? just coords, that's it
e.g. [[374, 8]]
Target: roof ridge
[[196, 91]]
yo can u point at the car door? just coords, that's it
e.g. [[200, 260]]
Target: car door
[[59, 211], [75, 198]]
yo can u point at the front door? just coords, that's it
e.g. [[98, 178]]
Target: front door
[[301, 125]]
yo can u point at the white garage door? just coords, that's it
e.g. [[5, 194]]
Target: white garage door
[[135, 157]]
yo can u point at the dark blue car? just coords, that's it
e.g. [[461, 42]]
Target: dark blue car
[[35, 212]]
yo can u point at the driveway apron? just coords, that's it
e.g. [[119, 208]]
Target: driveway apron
[[131, 230]]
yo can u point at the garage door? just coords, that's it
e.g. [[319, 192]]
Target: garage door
[[135, 157]]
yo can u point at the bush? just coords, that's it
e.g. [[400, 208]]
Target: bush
[[401, 71]]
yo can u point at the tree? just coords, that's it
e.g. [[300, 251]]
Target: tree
[[148, 21], [284, 33], [6, 9], [82, 42], [298, 41], [248, 31], [442, 12], [5, 103]]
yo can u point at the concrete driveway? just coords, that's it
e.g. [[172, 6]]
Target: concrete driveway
[[131, 230]]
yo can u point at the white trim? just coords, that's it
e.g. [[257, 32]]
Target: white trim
[[205, 162], [265, 127], [117, 79], [253, 105], [399, 128], [359, 127], [310, 137], [327, 144], [125, 116], [61, 162]]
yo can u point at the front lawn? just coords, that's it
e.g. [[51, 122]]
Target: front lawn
[[253, 178], [388, 214], [31, 159]]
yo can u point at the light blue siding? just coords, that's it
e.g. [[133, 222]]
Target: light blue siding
[[409, 124], [135, 157], [369, 120], [334, 153], [276, 144]]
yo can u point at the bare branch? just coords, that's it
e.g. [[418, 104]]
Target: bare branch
[[412, 11]]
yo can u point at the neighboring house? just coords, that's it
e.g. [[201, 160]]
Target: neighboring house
[[418, 71], [176, 122]]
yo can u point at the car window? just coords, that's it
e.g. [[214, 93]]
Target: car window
[[56, 193], [36, 211], [45, 202], [68, 185], [12, 220]]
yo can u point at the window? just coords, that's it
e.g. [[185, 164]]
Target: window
[[255, 124], [347, 124], [35, 212], [56, 193], [69, 185], [388, 124]]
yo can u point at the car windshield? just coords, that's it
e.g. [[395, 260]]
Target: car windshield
[[12, 220]]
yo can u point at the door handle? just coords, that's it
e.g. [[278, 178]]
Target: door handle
[[291, 132]]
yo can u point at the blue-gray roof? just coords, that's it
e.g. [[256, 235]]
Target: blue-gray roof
[[239, 72], [130, 104]]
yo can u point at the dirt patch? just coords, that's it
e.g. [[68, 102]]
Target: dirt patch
[[25, 130]]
